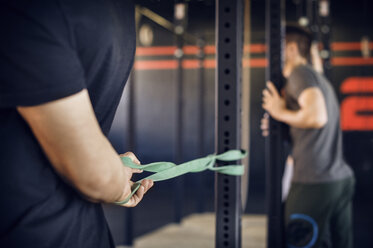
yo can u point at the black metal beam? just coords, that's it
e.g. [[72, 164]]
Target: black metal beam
[[179, 129], [201, 123], [325, 30], [131, 131], [314, 20], [274, 150], [229, 41], [180, 25]]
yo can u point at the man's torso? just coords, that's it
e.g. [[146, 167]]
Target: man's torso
[[317, 152], [38, 209]]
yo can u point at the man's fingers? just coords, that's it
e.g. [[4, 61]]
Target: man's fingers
[[264, 121], [265, 133], [264, 127], [139, 194], [272, 89], [136, 198], [266, 93], [265, 106], [132, 157], [136, 171], [147, 184]]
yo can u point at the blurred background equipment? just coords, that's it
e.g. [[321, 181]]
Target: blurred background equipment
[[167, 111]]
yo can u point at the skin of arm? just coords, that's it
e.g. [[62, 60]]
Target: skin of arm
[[71, 137], [312, 112], [316, 59]]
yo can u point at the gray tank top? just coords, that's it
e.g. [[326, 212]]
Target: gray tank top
[[317, 152]]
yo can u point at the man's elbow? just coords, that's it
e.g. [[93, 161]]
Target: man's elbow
[[319, 122]]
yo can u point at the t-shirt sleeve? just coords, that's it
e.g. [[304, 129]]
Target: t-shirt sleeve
[[38, 62], [301, 79]]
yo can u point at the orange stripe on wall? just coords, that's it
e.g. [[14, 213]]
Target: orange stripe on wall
[[194, 50], [156, 65], [348, 46], [253, 48], [210, 49], [351, 61], [253, 63], [190, 50], [155, 50], [191, 64], [170, 50], [341, 46]]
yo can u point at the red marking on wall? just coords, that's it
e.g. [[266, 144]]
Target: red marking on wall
[[155, 64], [252, 48], [210, 49], [351, 117], [357, 111], [170, 50], [255, 48], [348, 46], [155, 51], [192, 64], [351, 61], [253, 63], [357, 85]]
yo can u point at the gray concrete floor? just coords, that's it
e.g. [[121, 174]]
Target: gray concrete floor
[[198, 231]]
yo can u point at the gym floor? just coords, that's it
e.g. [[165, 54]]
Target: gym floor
[[198, 231]]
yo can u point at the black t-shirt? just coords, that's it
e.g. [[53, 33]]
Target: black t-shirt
[[51, 49]]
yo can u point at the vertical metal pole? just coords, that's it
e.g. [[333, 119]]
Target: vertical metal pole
[[229, 27], [245, 103], [129, 224], [314, 20], [299, 8], [201, 96], [201, 121], [180, 23], [274, 153], [131, 130], [324, 12], [132, 96], [179, 128]]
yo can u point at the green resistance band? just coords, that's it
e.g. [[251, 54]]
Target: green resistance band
[[167, 170]]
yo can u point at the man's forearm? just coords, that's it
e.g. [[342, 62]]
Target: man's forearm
[[298, 119], [70, 136], [98, 171], [312, 111]]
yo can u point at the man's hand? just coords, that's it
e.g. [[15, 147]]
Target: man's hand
[[264, 125], [137, 197], [145, 184], [273, 103], [315, 58]]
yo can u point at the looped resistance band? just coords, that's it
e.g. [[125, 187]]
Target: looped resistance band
[[167, 170]]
